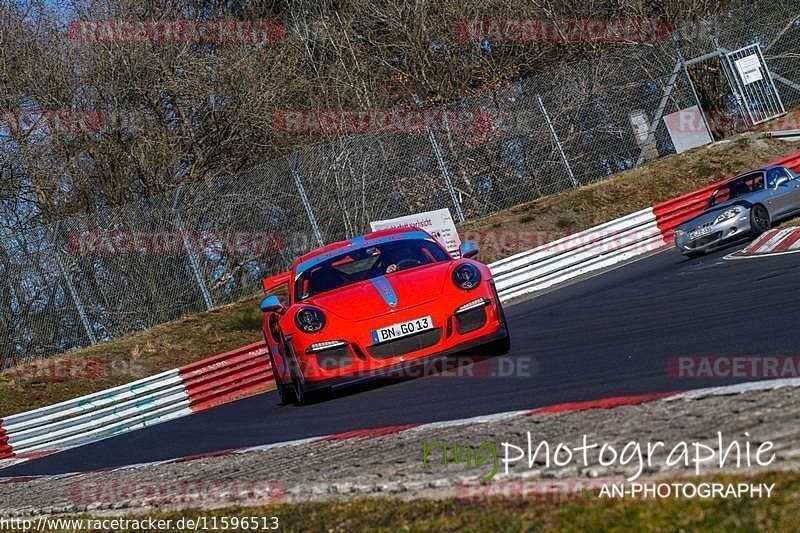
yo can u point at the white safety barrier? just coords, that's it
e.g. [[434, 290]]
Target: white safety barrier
[[146, 402], [575, 255]]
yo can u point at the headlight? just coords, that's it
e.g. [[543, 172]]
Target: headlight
[[309, 319], [466, 276], [727, 215]]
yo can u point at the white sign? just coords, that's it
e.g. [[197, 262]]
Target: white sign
[[438, 223], [640, 125], [687, 129], [749, 68]]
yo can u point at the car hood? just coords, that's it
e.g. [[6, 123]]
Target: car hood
[[383, 295], [708, 216]]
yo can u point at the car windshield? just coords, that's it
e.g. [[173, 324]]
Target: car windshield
[[736, 188], [352, 266]]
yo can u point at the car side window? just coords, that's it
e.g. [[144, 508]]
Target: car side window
[[774, 175]]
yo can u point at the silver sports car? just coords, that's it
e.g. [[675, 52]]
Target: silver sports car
[[745, 205]]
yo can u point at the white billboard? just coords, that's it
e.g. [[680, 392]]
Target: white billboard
[[438, 223]]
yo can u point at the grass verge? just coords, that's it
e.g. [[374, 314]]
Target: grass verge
[[142, 354], [584, 512], [203, 335]]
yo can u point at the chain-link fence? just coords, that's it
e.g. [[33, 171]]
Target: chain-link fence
[[92, 278]]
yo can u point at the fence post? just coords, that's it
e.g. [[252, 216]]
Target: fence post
[[679, 53], [662, 106], [194, 262], [298, 182], [445, 174], [71, 287], [556, 141]]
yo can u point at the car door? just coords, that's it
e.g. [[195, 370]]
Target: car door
[[783, 198], [793, 197]]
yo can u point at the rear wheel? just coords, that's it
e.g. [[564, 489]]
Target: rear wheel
[[759, 220]]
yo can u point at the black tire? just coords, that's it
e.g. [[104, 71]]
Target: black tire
[[499, 347], [305, 397], [300, 394], [759, 220], [285, 391]]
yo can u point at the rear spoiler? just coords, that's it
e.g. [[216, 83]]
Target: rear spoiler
[[273, 282]]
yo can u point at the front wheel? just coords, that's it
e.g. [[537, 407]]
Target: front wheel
[[499, 347], [759, 220], [285, 391], [305, 397]]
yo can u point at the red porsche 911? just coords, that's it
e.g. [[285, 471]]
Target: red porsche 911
[[384, 300]]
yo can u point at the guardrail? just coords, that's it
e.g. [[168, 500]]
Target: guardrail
[[602, 246], [165, 396]]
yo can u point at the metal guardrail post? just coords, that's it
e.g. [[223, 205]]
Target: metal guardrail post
[[194, 262], [71, 288], [298, 182], [556, 141]]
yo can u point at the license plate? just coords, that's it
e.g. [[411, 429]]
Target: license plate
[[402, 329], [701, 232]]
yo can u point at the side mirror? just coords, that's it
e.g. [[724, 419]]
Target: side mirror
[[781, 181], [468, 249], [271, 304]]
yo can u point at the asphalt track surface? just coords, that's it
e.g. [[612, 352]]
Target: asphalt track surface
[[609, 335]]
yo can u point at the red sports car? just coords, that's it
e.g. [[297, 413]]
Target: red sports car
[[359, 308]]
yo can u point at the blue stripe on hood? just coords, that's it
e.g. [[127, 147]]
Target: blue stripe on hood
[[385, 289]]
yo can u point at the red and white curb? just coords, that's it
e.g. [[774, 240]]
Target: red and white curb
[[172, 394], [360, 434], [773, 242]]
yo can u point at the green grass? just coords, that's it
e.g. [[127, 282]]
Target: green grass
[[131, 357]]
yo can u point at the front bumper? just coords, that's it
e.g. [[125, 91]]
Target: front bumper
[[360, 358], [712, 235], [405, 369]]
